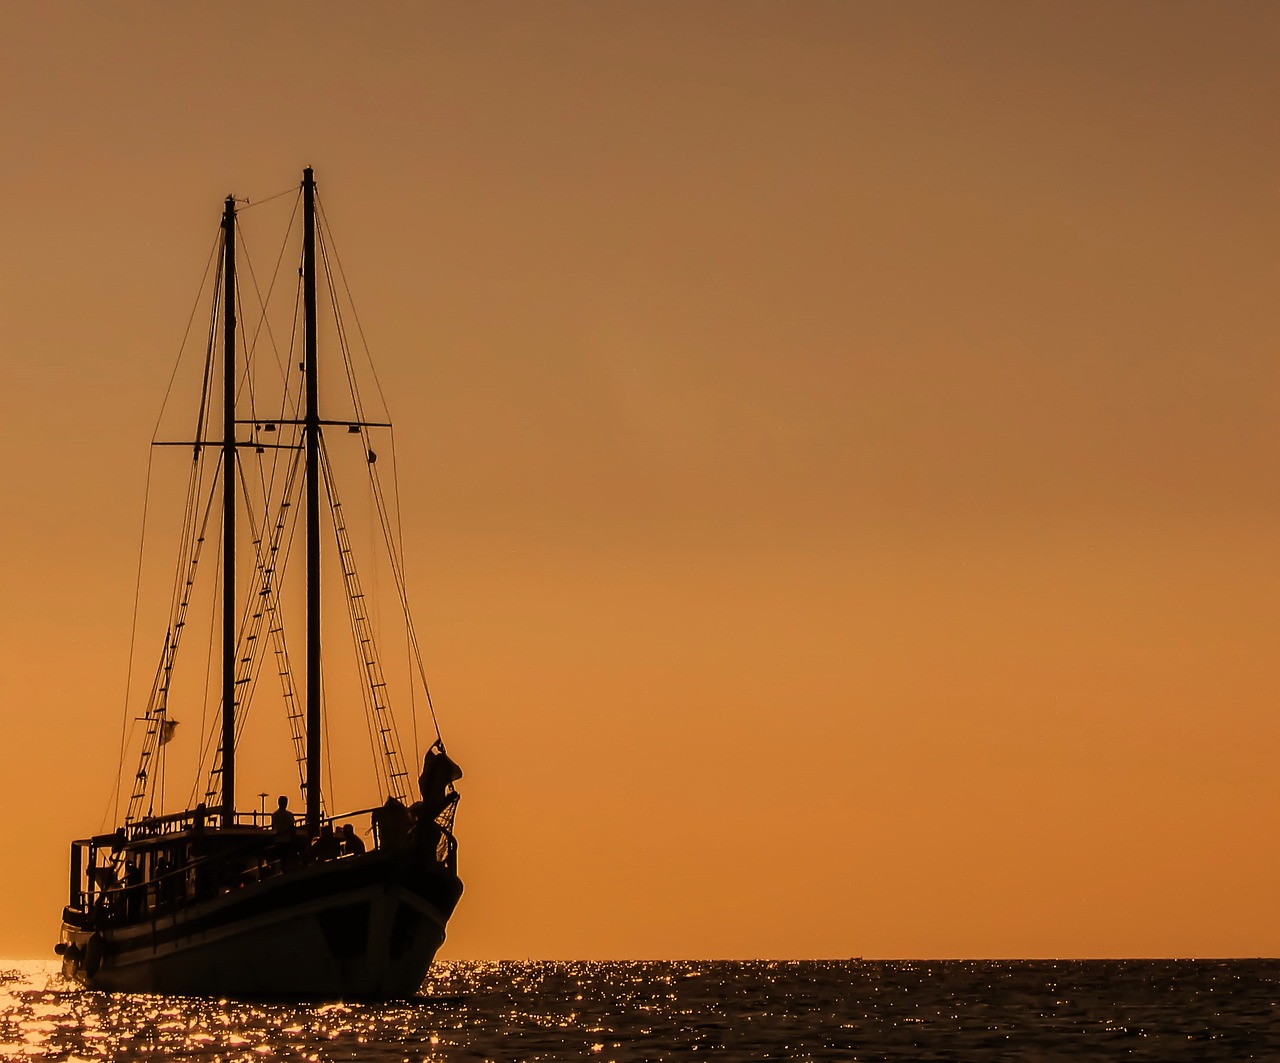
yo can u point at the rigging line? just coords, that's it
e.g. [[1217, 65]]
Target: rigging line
[[157, 705], [328, 746], [250, 204], [245, 382], [270, 604], [325, 744], [193, 542], [239, 695], [250, 625], [158, 697], [397, 559], [395, 723], [203, 751], [340, 326], [354, 312], [114, 799], [295, 510], [265, 320], [396, 554], [248, 629], [268, 486], [214, 257], [288, 532], [206, 701], [204, 279], [269, 544], [255, 537], [277, 631], [163, 756], [195, 480], [286, 384], [207, 382], [295, 330], [379, 714], [290, 513], [413, 700], [292, 479], [179, 626], [370, 713], [397, 569], [210, 745], [375, 560], [187, 542]]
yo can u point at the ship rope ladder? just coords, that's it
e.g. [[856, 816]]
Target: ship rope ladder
[[262, 610], [393, 778], [156, 714]]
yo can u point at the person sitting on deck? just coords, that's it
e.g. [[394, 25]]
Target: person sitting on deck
[[351, 843], [325, 845]]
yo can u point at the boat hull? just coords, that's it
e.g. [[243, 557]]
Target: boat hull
[[365, 927]]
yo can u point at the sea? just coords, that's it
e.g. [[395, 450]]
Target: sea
[[785, 1010]]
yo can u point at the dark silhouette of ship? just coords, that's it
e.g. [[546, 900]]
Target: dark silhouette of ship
[[213, 900]]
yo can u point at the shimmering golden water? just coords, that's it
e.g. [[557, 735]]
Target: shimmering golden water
[[628, 1011]]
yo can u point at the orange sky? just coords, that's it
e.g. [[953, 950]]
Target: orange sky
[[842, 445]]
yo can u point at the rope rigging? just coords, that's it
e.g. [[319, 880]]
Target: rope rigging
[[393, 539], [383, 731], [270, 494]]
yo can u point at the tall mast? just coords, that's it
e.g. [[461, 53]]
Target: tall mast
[[311, 431], [229, 513]]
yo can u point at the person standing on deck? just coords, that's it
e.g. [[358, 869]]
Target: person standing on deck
[[283, 823]]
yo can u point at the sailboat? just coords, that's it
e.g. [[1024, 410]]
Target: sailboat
[[216, 899]]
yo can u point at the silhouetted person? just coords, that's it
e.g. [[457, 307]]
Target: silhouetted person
[[351, 843], [391, 824], [438, 774], [285, 829], [163, 882], [283, 823], [132, 888], [326, 845]]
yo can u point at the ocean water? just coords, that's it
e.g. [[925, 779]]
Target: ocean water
[[629, 1011]]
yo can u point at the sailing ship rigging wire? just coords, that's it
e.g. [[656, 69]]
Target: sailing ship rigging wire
[[271, 553]]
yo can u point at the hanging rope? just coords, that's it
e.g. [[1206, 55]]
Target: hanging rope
[[392, 530]]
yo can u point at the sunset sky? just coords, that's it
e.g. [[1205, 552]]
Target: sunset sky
[[838, 444]]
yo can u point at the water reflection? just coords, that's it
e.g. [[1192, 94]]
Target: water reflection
[[1155, 1010]]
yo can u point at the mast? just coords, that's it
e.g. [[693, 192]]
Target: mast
[[311, 430], [229, 513]]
